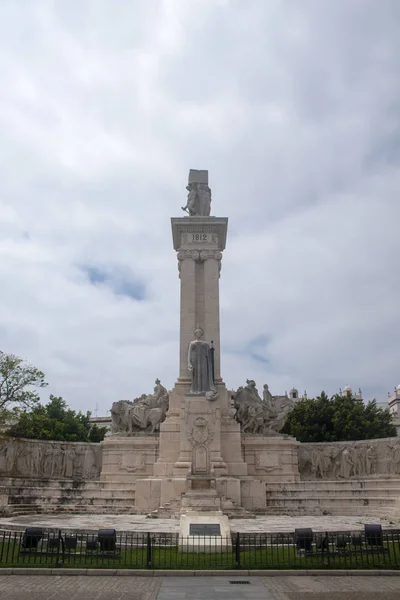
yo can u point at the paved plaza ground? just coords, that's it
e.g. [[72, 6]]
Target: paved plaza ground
[[137, 523], [37, 587]]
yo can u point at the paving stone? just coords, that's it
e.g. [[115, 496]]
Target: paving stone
[[333, 588], [40, 587], [298, 587], [140, 524]]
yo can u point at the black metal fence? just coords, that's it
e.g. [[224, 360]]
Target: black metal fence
[[372, 548]]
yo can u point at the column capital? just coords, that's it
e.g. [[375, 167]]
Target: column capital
[[199, 256]]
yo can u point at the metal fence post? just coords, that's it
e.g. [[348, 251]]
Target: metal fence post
[[148, 551], [60, 543], [328, 550], [237, 550]]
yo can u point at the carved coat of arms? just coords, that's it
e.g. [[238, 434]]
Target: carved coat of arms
[[201, 432]]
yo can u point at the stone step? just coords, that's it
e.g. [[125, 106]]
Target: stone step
[[119, 478], [63, 501], [378, 492], [334, 512], [336, 484], [71, 493], [201, 503], [22, 509], [61, 485], [329, 508], [334, 500]]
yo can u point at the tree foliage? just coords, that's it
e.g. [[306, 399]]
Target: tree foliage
[[336, 419], [17, 378], [55, 421], [96, 433]]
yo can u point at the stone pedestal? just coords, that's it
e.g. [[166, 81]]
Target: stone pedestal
[[175, 449], [205, 542], [200, 438], [273, 459], [126, 459]]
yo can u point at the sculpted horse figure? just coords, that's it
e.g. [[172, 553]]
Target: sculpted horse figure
[[156, 416], [145, 412], [283, 405], [121, 420], [265, 416], [243, 399]]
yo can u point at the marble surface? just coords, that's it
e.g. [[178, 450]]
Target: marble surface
[[263, 524]]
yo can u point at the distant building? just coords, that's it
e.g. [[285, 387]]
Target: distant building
[[392, 403], [101, 421]]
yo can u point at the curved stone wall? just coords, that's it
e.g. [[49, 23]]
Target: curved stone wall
[[49, 460], [348, 460], [78, 460]]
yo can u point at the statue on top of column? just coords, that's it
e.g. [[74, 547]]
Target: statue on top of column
[[200, 366], [199, 194]]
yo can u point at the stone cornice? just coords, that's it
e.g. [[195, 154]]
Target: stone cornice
[[213, 225]]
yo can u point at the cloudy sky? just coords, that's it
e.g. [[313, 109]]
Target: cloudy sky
[[293, 107]]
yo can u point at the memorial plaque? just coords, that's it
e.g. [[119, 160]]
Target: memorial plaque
[[205, 529]]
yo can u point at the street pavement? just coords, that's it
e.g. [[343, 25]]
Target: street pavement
[[52, 587]]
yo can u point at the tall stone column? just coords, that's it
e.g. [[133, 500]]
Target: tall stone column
[[199, 242], [187, 273], [212, 267], [199, 436]]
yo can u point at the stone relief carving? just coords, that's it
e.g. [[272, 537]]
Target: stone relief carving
[[264, 416], [198, 200], [199, 256], [132, 462], [200, 366], [200, 435], [201, 432], [49, 460], [346, 460], [266, 461], [144, 414], [200, 460]]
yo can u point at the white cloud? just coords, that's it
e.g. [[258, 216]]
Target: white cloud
[[294, 111]]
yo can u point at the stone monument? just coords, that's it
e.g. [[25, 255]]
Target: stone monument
[[199, 447], [200, 450]]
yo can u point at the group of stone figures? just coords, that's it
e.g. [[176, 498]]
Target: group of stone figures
[[25, 458], [353, 459], [144, 414], [264, 416], [198, 200]]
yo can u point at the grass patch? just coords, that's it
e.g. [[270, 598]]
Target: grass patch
[[169, 557]]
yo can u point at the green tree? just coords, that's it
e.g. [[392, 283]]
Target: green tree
[[55, 421], [96, 433], [17, 382], [340, 418]]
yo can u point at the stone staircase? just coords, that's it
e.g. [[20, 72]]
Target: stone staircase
[[30, 496], [368, 497], [227, 506], [234, 511], [207, 500]]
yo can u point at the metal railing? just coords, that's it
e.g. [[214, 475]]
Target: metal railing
[[109, 549]]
